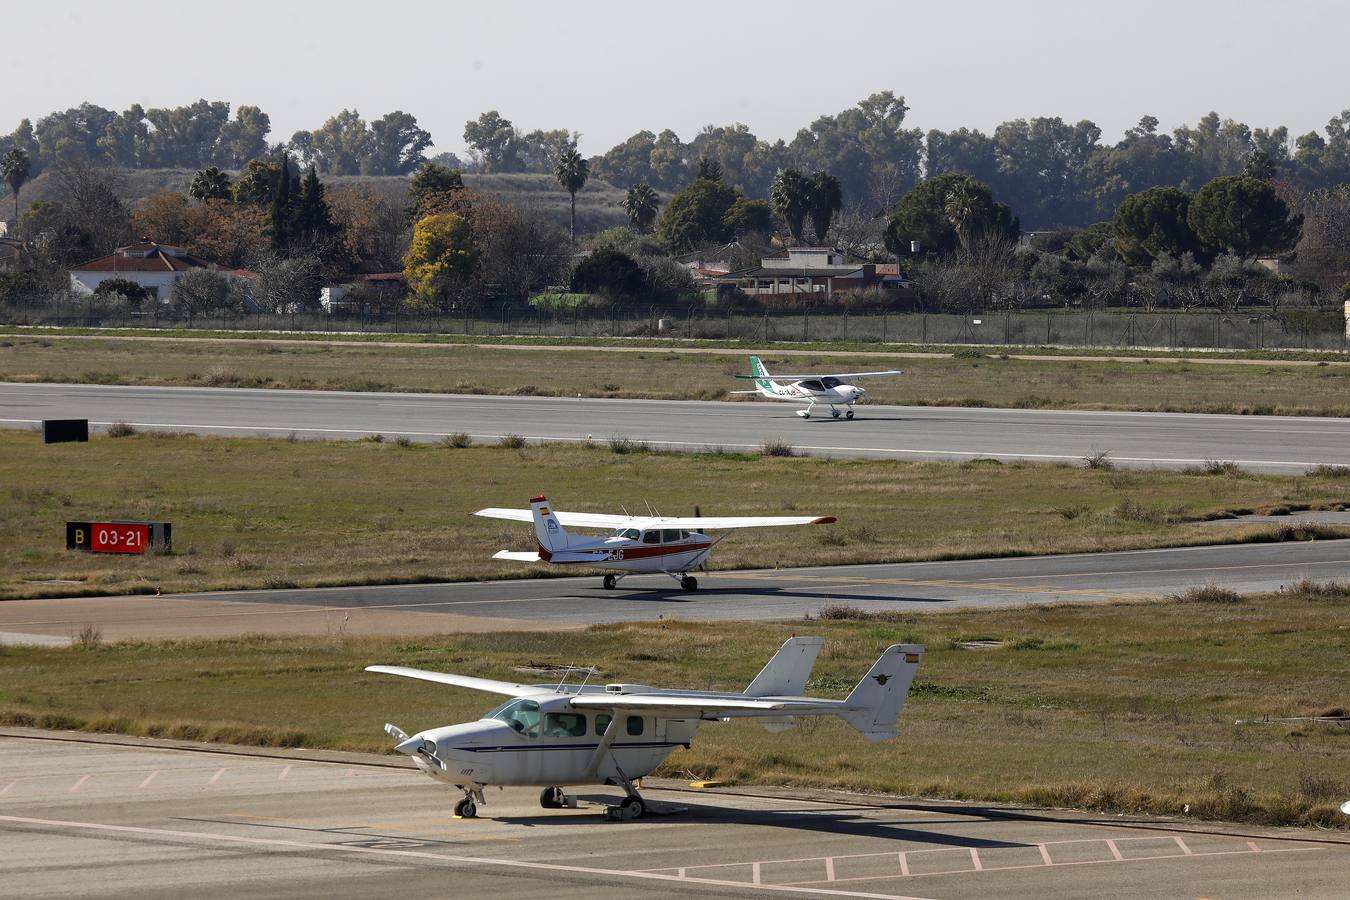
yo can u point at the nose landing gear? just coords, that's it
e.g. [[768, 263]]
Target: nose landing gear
[[468, 807]]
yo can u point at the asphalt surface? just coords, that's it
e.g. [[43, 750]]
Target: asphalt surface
[[1263, 443], [83, 818], [564, 603]]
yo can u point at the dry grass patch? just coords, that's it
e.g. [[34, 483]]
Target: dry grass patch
[[254, 512]]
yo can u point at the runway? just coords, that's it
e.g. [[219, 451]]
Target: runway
[[763, 594], [146, 819], [1171, 440]]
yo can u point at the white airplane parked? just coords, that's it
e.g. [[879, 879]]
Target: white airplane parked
[[638, 544], [831, 390], [555, 735]]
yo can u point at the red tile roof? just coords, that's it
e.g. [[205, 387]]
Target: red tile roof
[[145, 256]]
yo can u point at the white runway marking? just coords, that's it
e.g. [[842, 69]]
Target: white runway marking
[[429, 857]]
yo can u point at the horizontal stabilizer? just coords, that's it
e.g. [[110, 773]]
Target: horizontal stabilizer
[[517, 556]]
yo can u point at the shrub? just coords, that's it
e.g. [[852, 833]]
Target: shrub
[[121, 429], [1206, 593], [776, 447], [1325, 471], [403, 441], [458, 440], [512, 441], [90, 637], [609, 272], [1100, 460], [1320, 590], [1216, 467], [623, 445], [968, 353]]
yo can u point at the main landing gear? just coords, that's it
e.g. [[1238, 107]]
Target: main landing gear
[[609, 581], [468, 807], [687, 582], [554, 798], [631, 807]]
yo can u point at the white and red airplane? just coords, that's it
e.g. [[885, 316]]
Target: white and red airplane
[[833, 390], [637, 544]]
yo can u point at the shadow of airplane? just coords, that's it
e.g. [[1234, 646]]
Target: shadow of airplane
[[825, 821]]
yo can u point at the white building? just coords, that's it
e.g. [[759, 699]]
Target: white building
[[155, 267]]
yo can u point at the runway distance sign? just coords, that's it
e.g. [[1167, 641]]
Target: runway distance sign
[[117, 537]]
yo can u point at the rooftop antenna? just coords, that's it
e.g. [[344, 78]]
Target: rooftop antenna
[[625, 511]]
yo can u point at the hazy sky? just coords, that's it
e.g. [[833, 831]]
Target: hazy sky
[[609, 68]]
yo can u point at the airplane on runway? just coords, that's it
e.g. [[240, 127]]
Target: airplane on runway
[[831, 390], [555, 735], [638, 544]]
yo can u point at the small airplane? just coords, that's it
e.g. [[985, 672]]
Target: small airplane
[[831, 390], [555, 735], [638, 544]]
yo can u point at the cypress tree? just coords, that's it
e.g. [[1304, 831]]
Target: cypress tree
[[282, 219]]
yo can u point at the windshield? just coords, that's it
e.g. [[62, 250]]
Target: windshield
[[831, 382], [522, 715]]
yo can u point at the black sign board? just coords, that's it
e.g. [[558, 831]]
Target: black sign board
[[59, 431]]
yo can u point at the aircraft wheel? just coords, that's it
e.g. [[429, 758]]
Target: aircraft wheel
[[609, 581], [806, 415], [835, 413], [689, 583], [552, 798], [849, 414], [633, 807], [465, 809]]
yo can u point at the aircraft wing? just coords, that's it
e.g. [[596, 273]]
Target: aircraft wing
[[676, 704], [565, 519], [464, 681], [602, 520], [718, 523], [840, 375]]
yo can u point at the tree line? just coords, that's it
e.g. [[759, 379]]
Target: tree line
[[1052, 172]]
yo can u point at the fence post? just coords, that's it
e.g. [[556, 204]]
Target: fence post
[[845, 337], [884, 317], [1218, 325], [1047, 329], [923, 328], [806, 323], [766, 326]]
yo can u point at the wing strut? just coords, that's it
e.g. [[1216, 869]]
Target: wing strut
[[606, 741]]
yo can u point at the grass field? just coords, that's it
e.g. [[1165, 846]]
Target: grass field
[[971, 379], [273, 513], [1122, 708]]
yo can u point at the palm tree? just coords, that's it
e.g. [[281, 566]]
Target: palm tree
[[827, 198], [791, 199], [572, 171], [15, 168], [641, 205], [959, 206], [210, 184]]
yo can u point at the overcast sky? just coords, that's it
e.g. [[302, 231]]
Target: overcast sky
[[608, 68]]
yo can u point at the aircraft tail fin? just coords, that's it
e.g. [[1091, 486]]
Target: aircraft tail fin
[[763, 381], [785, 675], [873, 707], [548, 531]]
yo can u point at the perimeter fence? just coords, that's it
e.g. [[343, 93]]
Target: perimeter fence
[[1304, 329]]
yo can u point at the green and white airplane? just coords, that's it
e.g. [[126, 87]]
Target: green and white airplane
[[831, 390]]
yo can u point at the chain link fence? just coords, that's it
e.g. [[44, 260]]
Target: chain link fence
[[1302, 329]]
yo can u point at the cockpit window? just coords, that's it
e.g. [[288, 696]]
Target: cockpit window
[[522, 715], [670, 535], [651, 537], [830, 382], [631, 533], [813, 385]]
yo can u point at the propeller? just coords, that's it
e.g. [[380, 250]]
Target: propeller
[[395, 732]]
